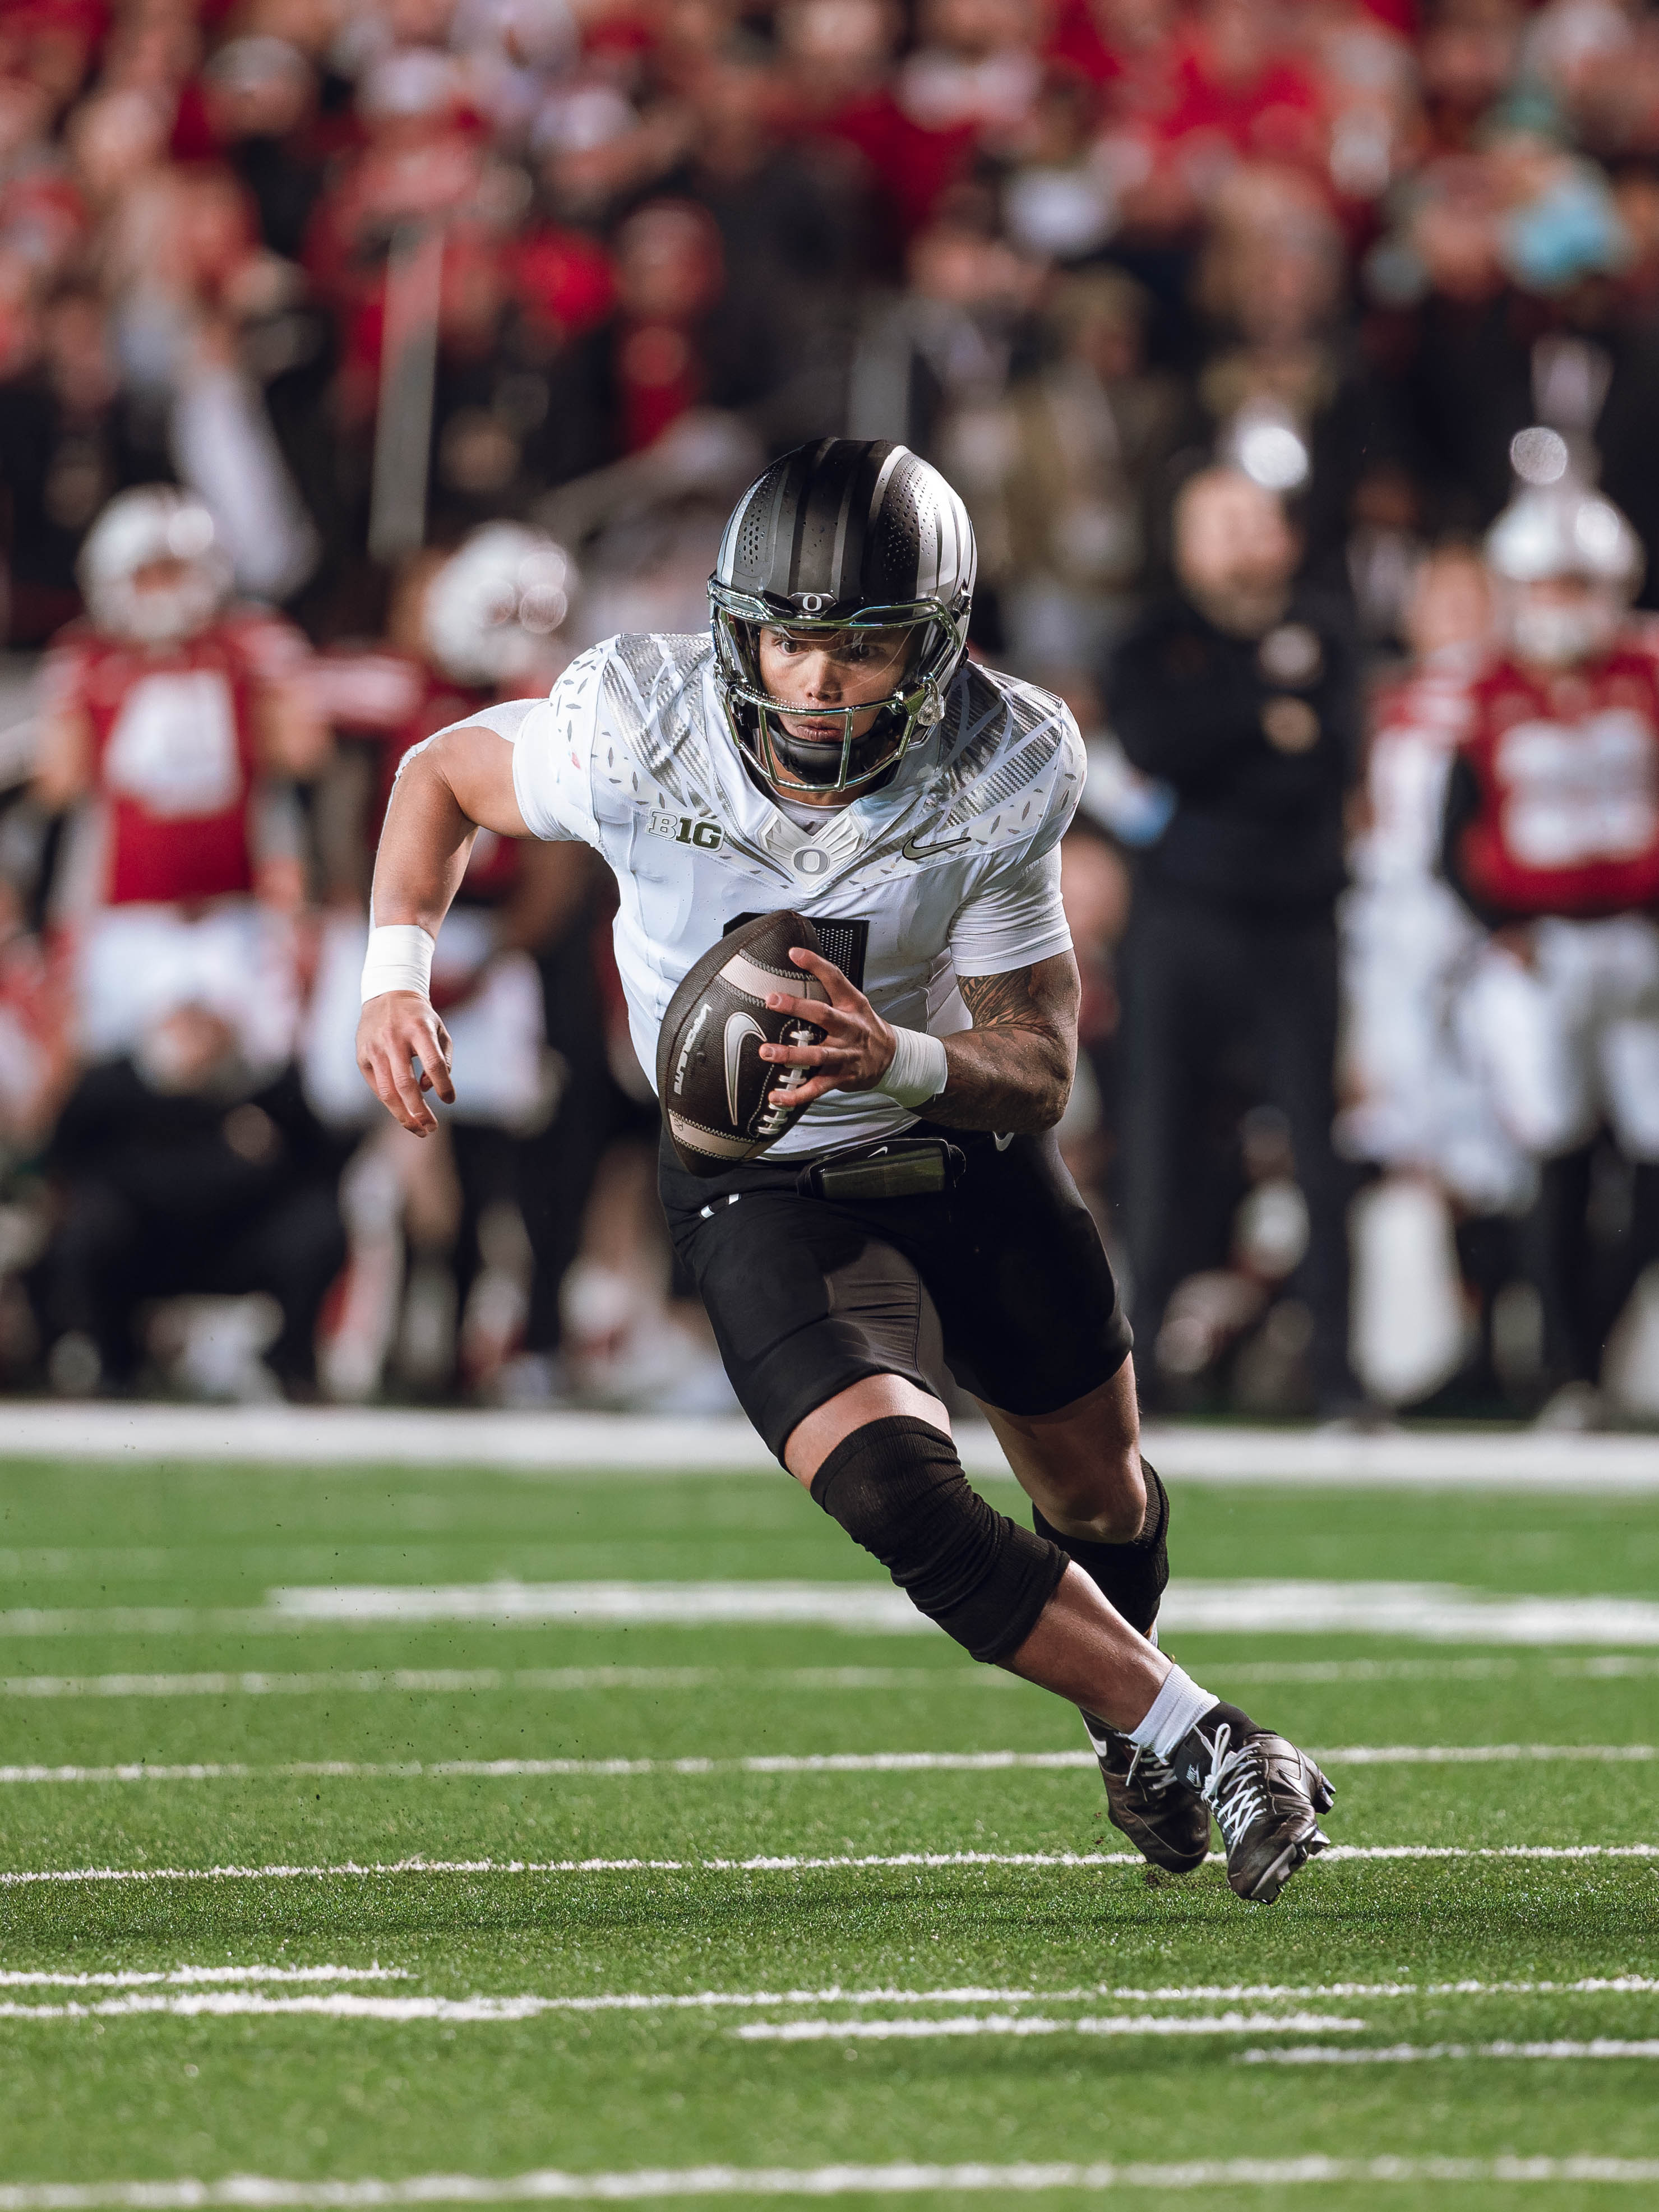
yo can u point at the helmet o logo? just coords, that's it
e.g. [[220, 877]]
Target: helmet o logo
[[814, 603], [810, 862]]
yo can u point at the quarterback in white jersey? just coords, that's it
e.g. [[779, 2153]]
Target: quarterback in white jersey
[[828, 750], [951, 868]]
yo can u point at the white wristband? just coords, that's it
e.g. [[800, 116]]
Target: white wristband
[[918, 1070], [399, 958]]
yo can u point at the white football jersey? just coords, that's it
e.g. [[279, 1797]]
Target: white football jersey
[[952, 869]]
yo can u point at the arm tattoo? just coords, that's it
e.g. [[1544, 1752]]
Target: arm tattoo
[[1004, 1001], [1014, 1069]]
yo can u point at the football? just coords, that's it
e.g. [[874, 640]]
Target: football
[[711, 1079]]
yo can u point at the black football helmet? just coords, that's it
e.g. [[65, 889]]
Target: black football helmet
[[848, 534]]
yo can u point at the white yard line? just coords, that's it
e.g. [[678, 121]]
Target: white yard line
[[221, 2002], [1600, 2046], [250, 2192], [554, 1681], [1434, 1612], [1200, 1993], [133, 1979], [340, 2004], [1422, 1611], [473, 2011], [555, 1445], [138, 1620], [22, 1877], [1414, 1611], [1029, 2024], [1603, 1666], [807, 1763], [1482, 1754], [558, 1681]]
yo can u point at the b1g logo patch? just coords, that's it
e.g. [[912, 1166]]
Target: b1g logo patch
[[686, 830]]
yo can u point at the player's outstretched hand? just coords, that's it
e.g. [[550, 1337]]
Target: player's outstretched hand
[[858, 1045], [393, 1031]]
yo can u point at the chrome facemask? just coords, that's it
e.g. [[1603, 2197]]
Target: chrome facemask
[[755, 715]]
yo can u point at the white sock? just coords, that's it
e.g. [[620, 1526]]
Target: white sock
[[1174, 1713]]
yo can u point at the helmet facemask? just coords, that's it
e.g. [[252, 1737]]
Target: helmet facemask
[[921, 640], [1557, 628]]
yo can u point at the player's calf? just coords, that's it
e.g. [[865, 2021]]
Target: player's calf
[[1131, 1574], [896, 1486], [1168, 1823]]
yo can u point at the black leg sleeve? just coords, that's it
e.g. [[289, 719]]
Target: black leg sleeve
[[896, 1486], [1130, 1576]]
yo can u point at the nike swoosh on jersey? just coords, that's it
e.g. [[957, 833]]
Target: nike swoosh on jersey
[[737, 1027], [909, 850]]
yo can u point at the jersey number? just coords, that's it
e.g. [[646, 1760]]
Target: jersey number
[[1574, 795], [845, 942], [173, 746]]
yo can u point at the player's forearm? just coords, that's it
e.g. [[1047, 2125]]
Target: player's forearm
[[63, 763], [423, 848], [1004, 1083], [1012, 1070]]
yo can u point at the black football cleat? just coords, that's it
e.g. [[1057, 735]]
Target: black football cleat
[[1146, 1799], [1266, 1797]]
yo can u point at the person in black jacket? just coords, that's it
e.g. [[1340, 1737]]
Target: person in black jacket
[[1240, 691], [180, 1169]]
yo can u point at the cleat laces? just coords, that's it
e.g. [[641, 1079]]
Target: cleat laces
[[1235, 1790], [1157, 1776]]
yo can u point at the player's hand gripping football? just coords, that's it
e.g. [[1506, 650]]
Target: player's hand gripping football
[[393, 1031], [858, 1045]]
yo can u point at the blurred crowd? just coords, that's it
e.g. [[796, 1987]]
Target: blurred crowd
[[361, 364]]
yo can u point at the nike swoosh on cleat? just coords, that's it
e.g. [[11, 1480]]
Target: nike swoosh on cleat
[[909, 850], [737, 1027]]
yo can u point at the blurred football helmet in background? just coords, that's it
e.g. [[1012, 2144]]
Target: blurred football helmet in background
[[153, 568], [491, 611], [1566, 562]]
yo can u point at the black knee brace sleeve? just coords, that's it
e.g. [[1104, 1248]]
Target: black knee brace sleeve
[[1131, 1576], [896, 1486]]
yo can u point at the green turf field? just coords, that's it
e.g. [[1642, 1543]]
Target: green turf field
[[321, 2011]]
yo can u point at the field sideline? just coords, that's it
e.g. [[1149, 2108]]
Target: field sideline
[[374, 1833]]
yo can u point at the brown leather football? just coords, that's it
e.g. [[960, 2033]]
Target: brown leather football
[[711, 1079]]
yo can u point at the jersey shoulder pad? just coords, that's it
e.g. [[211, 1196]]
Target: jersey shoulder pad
[[68, 667], [267, 646], [1640, 635], [365, 688], [651, 710], [1435, 703], [1497, 681], [1013, 760]]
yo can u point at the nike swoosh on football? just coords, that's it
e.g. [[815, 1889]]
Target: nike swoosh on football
[[737, 1027], [909, 850]]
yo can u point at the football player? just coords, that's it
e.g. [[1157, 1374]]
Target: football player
[[468, 626], [830, 748], [1551, 838], [172, 725]]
